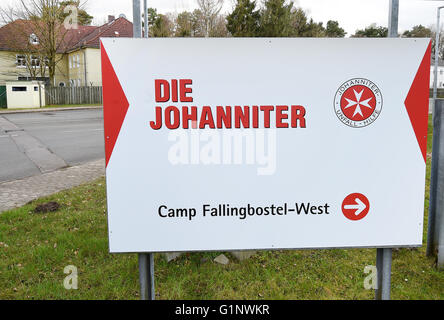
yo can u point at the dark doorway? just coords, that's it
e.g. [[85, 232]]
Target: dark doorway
[[3, 101]]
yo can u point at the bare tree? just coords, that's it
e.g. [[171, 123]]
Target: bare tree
[[210, 11], [38, 34], [219, 29], [441, 41]]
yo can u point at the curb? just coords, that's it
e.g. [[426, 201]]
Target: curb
[[49, 109]]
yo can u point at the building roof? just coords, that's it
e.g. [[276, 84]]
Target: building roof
[[15, 35], [120, 27], [74, 36], [12, 35]]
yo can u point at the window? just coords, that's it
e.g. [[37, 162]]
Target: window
[[21, 61], [18, 88], [62, 84], [78, 82], [33, 39], [73, 61], [35, 61], [36, 88], [78, 61]]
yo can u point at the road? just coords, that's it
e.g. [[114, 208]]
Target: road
[[39, 142]]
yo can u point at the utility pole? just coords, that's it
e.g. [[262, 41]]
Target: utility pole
[[137, 25], [393, 19], [145, 16]]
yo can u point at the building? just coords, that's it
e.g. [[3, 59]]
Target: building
[[78, 57], [25, 94], [440, 77]]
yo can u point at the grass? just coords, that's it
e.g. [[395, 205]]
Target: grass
[[35, 248]]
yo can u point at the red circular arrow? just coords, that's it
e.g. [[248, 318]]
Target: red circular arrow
[[355, 206]]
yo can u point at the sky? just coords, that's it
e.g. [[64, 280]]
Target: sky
[[351, 14]]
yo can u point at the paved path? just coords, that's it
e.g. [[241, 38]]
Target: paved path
[[19, 192]]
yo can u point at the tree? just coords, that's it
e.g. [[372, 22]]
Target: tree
[[298, 22], [163, 27], [244, 21], [184, 24], [418, 31], [333, 30], [301, 26], [441, 44], [38, 31], [219, 27], [198, 28], [209, 13], [371, 31], [152, 16], [160, 25], [276, 19], [83, 17], [313, 29]]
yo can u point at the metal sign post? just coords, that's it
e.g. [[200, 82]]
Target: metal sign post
[[146, 260], [384, 255], [383, 267], [435, 228], [435, 235], [146, 276]]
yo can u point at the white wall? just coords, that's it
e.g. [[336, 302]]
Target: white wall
[[440, 82], [85, 63], [24, 99], [94, 67]]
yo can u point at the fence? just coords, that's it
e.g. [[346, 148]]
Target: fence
[[73, 95], [440, 92]]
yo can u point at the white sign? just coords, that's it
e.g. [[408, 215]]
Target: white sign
[[229, 144]]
